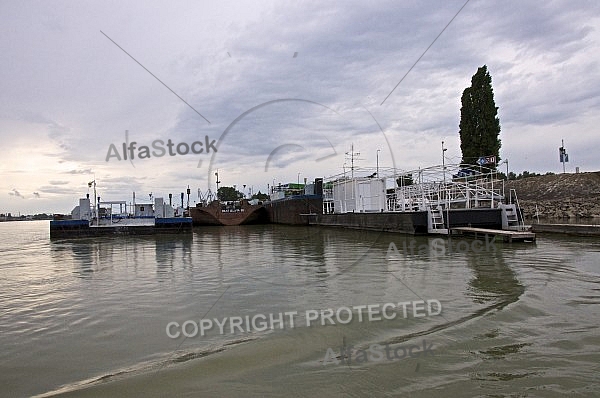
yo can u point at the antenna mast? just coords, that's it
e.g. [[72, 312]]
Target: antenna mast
[[352, 154]]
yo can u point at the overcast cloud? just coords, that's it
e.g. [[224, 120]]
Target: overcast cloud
[[292, 86]]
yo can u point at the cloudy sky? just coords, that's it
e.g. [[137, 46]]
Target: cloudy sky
[[283, 89]]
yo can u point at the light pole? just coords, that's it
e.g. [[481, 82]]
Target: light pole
[[446, 192], [378, 162], [503, 191], [563, 155], [218, 182], [505, 161], [444, 162]]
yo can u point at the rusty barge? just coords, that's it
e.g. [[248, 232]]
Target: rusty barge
[[233, 213]]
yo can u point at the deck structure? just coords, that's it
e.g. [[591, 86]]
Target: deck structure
[[451, 196]]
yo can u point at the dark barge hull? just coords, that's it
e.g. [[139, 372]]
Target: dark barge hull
[[413, 223], [211, 215], [307, 210], [480, 217], [81, 229], [295, 210]]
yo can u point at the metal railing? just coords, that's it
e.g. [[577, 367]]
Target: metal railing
[[437, 187]]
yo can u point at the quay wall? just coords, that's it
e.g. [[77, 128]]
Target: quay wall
[[294, 210], [408, 223], [82, 229], [568, 229]]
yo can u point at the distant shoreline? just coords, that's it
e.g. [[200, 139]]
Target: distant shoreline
[[26, 219]]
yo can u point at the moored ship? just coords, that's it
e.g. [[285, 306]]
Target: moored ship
[[430, 200], [229, 213], [101, 219]]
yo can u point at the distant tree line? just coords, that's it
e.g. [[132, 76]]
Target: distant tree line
[[260, 196], [226, 194], [230, 194]]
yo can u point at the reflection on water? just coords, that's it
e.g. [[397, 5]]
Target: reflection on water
[[95, 310], [493, 280], [94, 255]]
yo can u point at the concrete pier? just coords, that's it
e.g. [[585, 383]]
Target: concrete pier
[[568, 229]]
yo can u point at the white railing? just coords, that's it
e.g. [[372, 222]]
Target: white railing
[[434, 187]]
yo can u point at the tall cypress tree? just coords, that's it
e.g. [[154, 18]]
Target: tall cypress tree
[[479, 123]]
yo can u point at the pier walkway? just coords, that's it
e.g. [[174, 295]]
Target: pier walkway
[[507, 236]]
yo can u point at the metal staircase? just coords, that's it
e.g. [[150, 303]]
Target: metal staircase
[[510, 213], [510, 218], [435, 221]]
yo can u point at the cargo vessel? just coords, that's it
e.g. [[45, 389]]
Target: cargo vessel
[[229, 213], [101, 218]]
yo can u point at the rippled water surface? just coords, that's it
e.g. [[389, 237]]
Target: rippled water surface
[[89, 317]]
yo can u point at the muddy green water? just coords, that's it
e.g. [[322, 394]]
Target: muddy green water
[[89, 317]]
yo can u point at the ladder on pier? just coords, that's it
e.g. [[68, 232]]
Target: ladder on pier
[[510, 214], [435, 221], [510, 218]]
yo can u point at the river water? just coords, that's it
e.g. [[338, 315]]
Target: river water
[[121, 316]]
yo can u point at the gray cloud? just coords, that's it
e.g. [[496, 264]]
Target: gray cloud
[[56, 190], [81, 171], [16, 193]]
